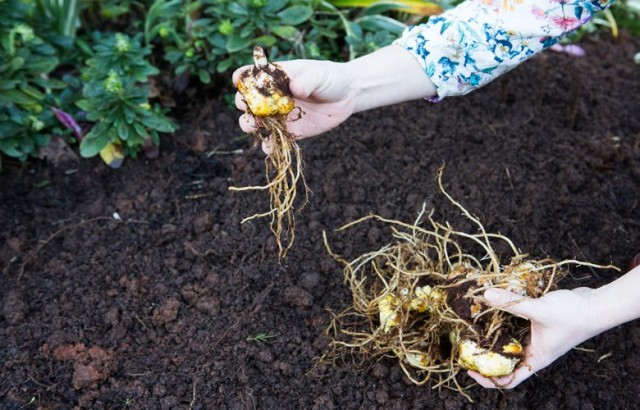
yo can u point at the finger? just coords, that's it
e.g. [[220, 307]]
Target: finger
[[303, 81], [306, 84], [300, 88], [266, 146], [240, 102], [481, 380], [236, 74], [509, 302], [510, 381], [247, 123]]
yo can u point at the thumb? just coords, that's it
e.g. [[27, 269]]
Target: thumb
[[302, 81], [235, 77], [510, 302], [313, 79]]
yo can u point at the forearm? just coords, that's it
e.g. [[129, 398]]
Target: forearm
[[388, 76], [615, 303]]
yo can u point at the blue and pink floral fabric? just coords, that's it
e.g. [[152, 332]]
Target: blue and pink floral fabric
[[474, 43]]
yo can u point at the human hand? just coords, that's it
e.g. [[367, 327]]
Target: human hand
[[322, 90], [327, 93], [559, 321]]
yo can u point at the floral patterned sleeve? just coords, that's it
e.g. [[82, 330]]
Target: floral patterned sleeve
[[474, 43]]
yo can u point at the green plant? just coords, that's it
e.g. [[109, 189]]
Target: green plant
[[212, 36], [627, 15], [183, 35], [624, 14], [116, 99], [209, 37], [417, 7], [196, 38], [370, 24], [25, 87], [63, 15], [260, 337], [122, 54], [244, 24], [97, 13]]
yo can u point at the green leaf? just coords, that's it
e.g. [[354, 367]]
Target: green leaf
[[181, 69], [238, 9], [52, 83], [158, 10], [140, 130], [235, 44], [8, 148], [158, 123], [204, 76], [173, 56], [129, 115], [419, 7], [94, 141], [295, 15], [123, 129], [326, 32], [286, 32], [355, 30], [273, 6], [247, 31], [377, 23], [381, 7], [18, 97], [31, 91], [43, 64], [16, 63], [84, 105], [9, 84], [84, 46], [265, 41], [224, 65]]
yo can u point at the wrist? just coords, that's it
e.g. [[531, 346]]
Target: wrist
[[616, 303], [387, 76], [592, 317]]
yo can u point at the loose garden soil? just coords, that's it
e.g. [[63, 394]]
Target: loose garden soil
[[163, 308]]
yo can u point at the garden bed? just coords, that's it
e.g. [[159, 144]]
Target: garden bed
[[178, 305]]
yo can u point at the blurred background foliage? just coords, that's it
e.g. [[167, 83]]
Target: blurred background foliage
[[105, 74]]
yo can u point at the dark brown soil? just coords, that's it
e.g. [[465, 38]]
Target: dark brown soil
[[161, 310]]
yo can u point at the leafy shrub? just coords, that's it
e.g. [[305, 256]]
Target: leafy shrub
[[25, 62], [115, 98], [626, 13], [212, 36], [199, 38], [61, 16], [209, 37], [44, 40], [114, 94]]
